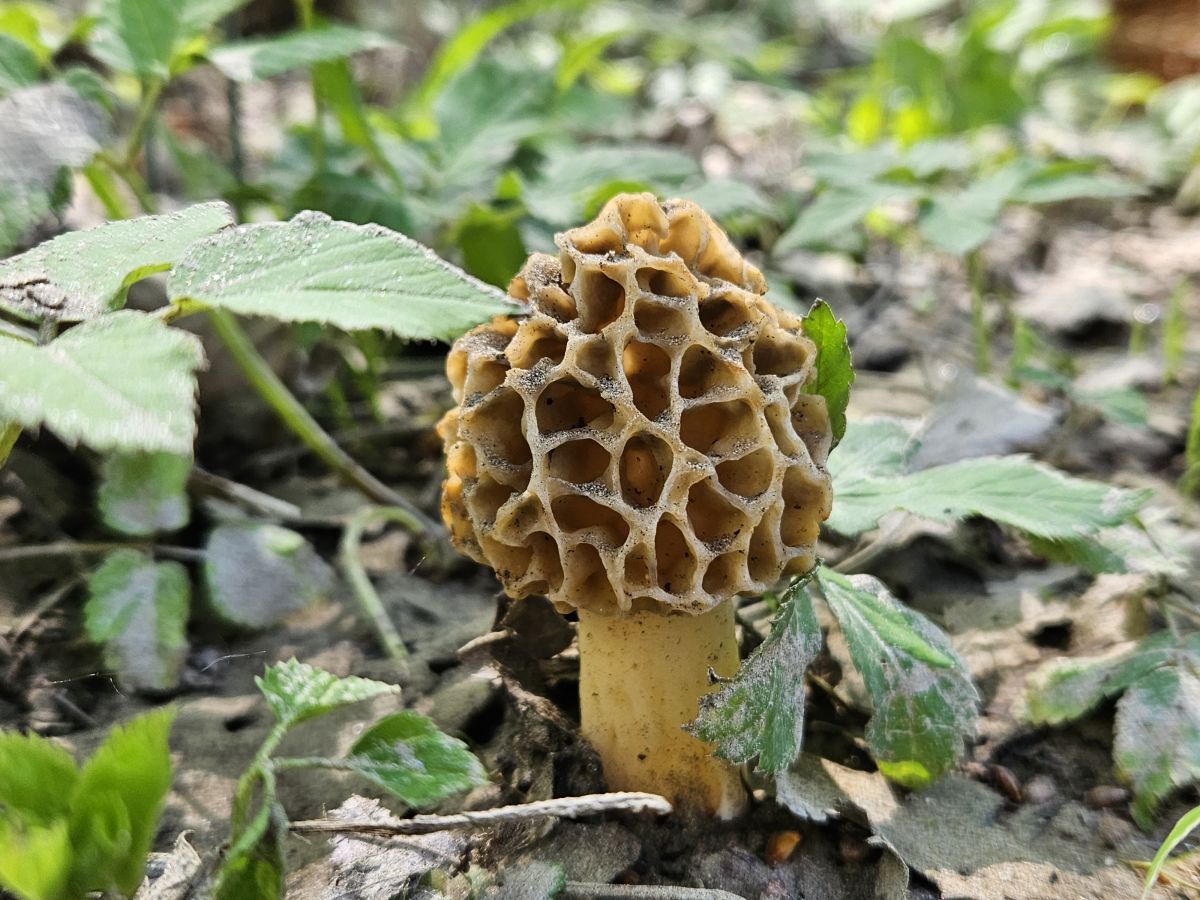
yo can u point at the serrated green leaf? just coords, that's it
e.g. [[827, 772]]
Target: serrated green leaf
[[36, 777], [137, 610], [133, 765], [924, 703], [835, 371], [18, 64], [406, 754], [102, 840], [124, 381], [258, 59], [760, 712], [81, 274], [1148, 545], [1012, 490], [313, 269], [1157, 745], [257, 574], [35, 863], [296, 691], [1064, 691], [144, 493]]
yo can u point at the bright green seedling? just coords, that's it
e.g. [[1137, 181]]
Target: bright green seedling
[[403, 753], [1157, 745], [1160, 865], [66, 830]]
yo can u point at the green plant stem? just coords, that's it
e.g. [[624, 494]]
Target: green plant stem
[[300, 421], [304, 11], [9, 432], [261, 768], [151, 89], [129, 175], [979, 330], [360, 582]]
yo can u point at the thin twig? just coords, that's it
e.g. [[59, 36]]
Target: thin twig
[[81, 548], [559, 808], [261, 503], [588, 890]]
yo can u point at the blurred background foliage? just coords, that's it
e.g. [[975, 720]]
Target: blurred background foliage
[[483, 128]]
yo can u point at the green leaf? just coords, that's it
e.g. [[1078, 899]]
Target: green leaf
[[139, 36], [36, 777], [134, 765], [835, 371], [571, 174], [406, 754], [491, 245], [35, 863], [464, 47], [142, 494], [871, 448], [197, 16], [257, 574], [296, 691], [18, 65], [313, 269], [999, 488], [959, 221], [760, 712], [1052, 186], [357, 199], [34, 157], [81, 274], [121, 382], [1144, 545], [258, 59], [1157, 744], [725, 197], [1064, 691], [924, 703], [137, 609], [1187, 823], [837, 209]]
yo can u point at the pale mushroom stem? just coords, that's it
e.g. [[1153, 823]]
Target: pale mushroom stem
[[641, 679]]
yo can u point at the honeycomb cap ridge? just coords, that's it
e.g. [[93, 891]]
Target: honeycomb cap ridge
[[645, 436]]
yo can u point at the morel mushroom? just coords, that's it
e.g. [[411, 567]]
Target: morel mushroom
[[641, 447]]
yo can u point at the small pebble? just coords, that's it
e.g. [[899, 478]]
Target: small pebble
[[1040, 790], [1114, 830], [1105, 796], [781, 845]]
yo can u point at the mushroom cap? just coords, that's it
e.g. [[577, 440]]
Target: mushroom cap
[[645, 437]]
